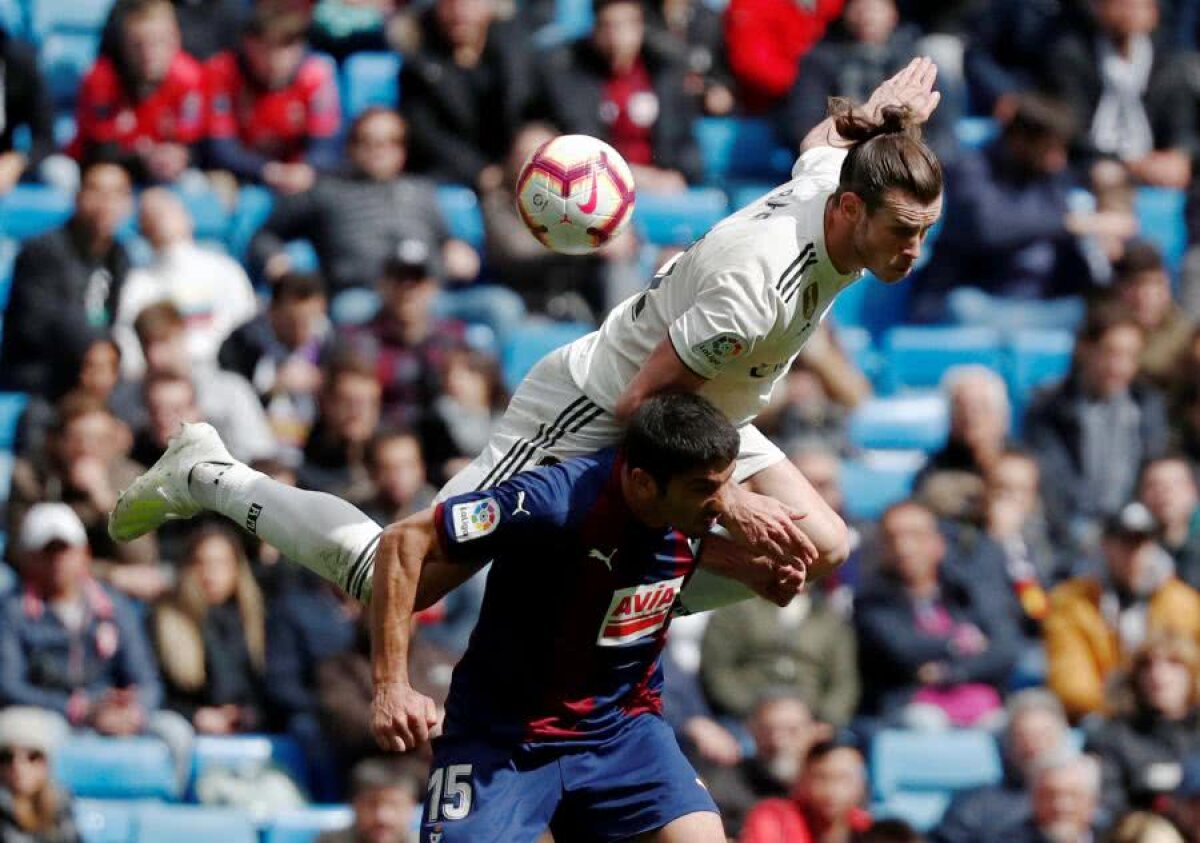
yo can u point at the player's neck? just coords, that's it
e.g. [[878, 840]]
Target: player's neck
[[839, 240]]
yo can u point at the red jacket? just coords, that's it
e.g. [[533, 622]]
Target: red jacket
[[767, 38], [782, 821]]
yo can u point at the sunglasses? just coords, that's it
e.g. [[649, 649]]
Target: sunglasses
[[7, 756]]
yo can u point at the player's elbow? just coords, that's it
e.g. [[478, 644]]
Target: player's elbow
[[834, 547]]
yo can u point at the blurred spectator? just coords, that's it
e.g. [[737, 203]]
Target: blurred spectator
[[210, 636], [69, 645], [766, 40], [690, 30], [341, 28], [754, 645], [822, 468], [783, 730], [1143, 288], [473, 399], [85, 466], [209, 288], [33, 809], [65, 287], [1036, 730], [1009, 230], [206, 26], [273, 112], [1155, 714], [169, 400], [872, 46], [1144, 827], [824, 807], [280, 352], [1091, 432], [398, 477], [468, 86], [354, 220], [951, 481], [406, 344], [1095, 623], [386, 796], [335, 456], [889, 831], [225, 399], [27, 103], [1168, 489], [147, 102], [617, 86], [1066, 792], [1183, 805], [931, 648], [1129, 93]]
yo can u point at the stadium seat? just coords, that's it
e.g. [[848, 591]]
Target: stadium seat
[[856, 342], [920, 810], [923, 762], [253, 207], [1160, 213], [742, 148], [117, 768], [210, 217], [370, 79], [302, 255], [303, 826], [65, 58], [460, 207], [12, 404], [13, 18], [193, 824], [47, 16], [975, 132], [6, 471], [918, 357], [8, 254], [871, 304], [248, 752], [677, 219], [29, 210], [533, 343], [906, 422], [102, 821], [876, 480], [1037, 358]]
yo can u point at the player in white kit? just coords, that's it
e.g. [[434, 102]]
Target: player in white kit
[[725, 318]]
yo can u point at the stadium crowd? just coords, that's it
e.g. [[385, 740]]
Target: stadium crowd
[[1039, 583]]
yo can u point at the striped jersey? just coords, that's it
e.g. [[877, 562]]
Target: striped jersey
[[738, 305]]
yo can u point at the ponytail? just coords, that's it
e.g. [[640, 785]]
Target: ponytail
[[886, 153]]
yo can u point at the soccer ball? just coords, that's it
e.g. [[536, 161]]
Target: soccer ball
[[575, 194]]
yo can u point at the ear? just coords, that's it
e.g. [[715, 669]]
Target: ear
[[851, 206], [643, 484]]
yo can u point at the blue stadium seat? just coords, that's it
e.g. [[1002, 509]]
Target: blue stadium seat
[[13, 18], [1160, 213], [460, 207], [193, 824], [1037, 358], [12, 404], [210, 217], [253, 207], [248, 752], [918, 357], [856, 342], [6, 471], [370, 79], [101, 821], [64, 129], [47, 16], [940, 762], [65, 58], [532, 343], [742, 148], [302, 255], [975, 132], [873, 482], [677, 219], [117, 768], [303, 826], [920, 810], [905, 422], [29, 210], [8, 254], [871, 304]]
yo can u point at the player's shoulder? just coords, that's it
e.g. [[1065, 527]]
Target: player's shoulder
[[821, 164], [751, 249]]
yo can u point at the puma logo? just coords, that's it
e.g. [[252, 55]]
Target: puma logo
[[590, 205], [607, 560], [521, 505]]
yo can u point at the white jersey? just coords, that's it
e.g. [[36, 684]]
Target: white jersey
[[738, 305]]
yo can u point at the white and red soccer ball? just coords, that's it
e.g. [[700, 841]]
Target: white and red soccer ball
[[575, 194]]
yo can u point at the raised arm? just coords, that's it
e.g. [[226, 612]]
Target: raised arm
[[663, 371], [912, 87]]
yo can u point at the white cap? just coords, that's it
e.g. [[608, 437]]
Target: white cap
[[50, 522], [28, 727]]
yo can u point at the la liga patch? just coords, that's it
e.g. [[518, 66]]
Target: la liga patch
[[721, 349], [474, 519]]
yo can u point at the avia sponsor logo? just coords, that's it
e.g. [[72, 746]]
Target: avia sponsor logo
[[638, 611], [475, 519]]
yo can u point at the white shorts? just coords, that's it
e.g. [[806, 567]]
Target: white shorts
[[550, 419]]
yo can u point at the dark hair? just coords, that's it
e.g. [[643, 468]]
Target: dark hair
[[889, 831], [158, 321], [104, 155], [825, 748], [887, 154], [275, 23], [678, 432], [127, 9], [297, 286], [386, 435], [1140, 256], [1169, 456], [347, 364], [75, 405], [600, 5], [386, 773], [1036, 116], [1102, 318]]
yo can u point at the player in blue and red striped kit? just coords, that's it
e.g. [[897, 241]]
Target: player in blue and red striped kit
[[554, 713]]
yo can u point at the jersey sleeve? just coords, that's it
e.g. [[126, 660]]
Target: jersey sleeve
[[823, 162], [731, 315], [527, 510]]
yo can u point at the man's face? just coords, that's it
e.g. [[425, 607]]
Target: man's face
[[273, 62], [63, 568], [1165, 684], [912, 545], [383, 815], [1063, 804], [1130, 560], [691, 501], [782, 731], [168, 353], [399, 471], [378, 147], [1031, 735], [1169, 491], [833, 785], [150, 42], [1110, 364], [888, 242], [104, 200], [1125, 18], [353, 407], [976, 416], [871, 21], [295, 320], [1014, 479], [1147, 297], [410, 301], [169, 404], [619, 31], [100, 369], [89, 435], [464, 21], [1038, 155]]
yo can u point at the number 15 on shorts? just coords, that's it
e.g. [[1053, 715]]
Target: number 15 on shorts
[[450, 793]]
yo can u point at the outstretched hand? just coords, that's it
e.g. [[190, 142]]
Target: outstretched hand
[[767, 527], [911, 87]]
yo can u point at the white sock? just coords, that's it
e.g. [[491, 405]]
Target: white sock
[[330, 537]]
